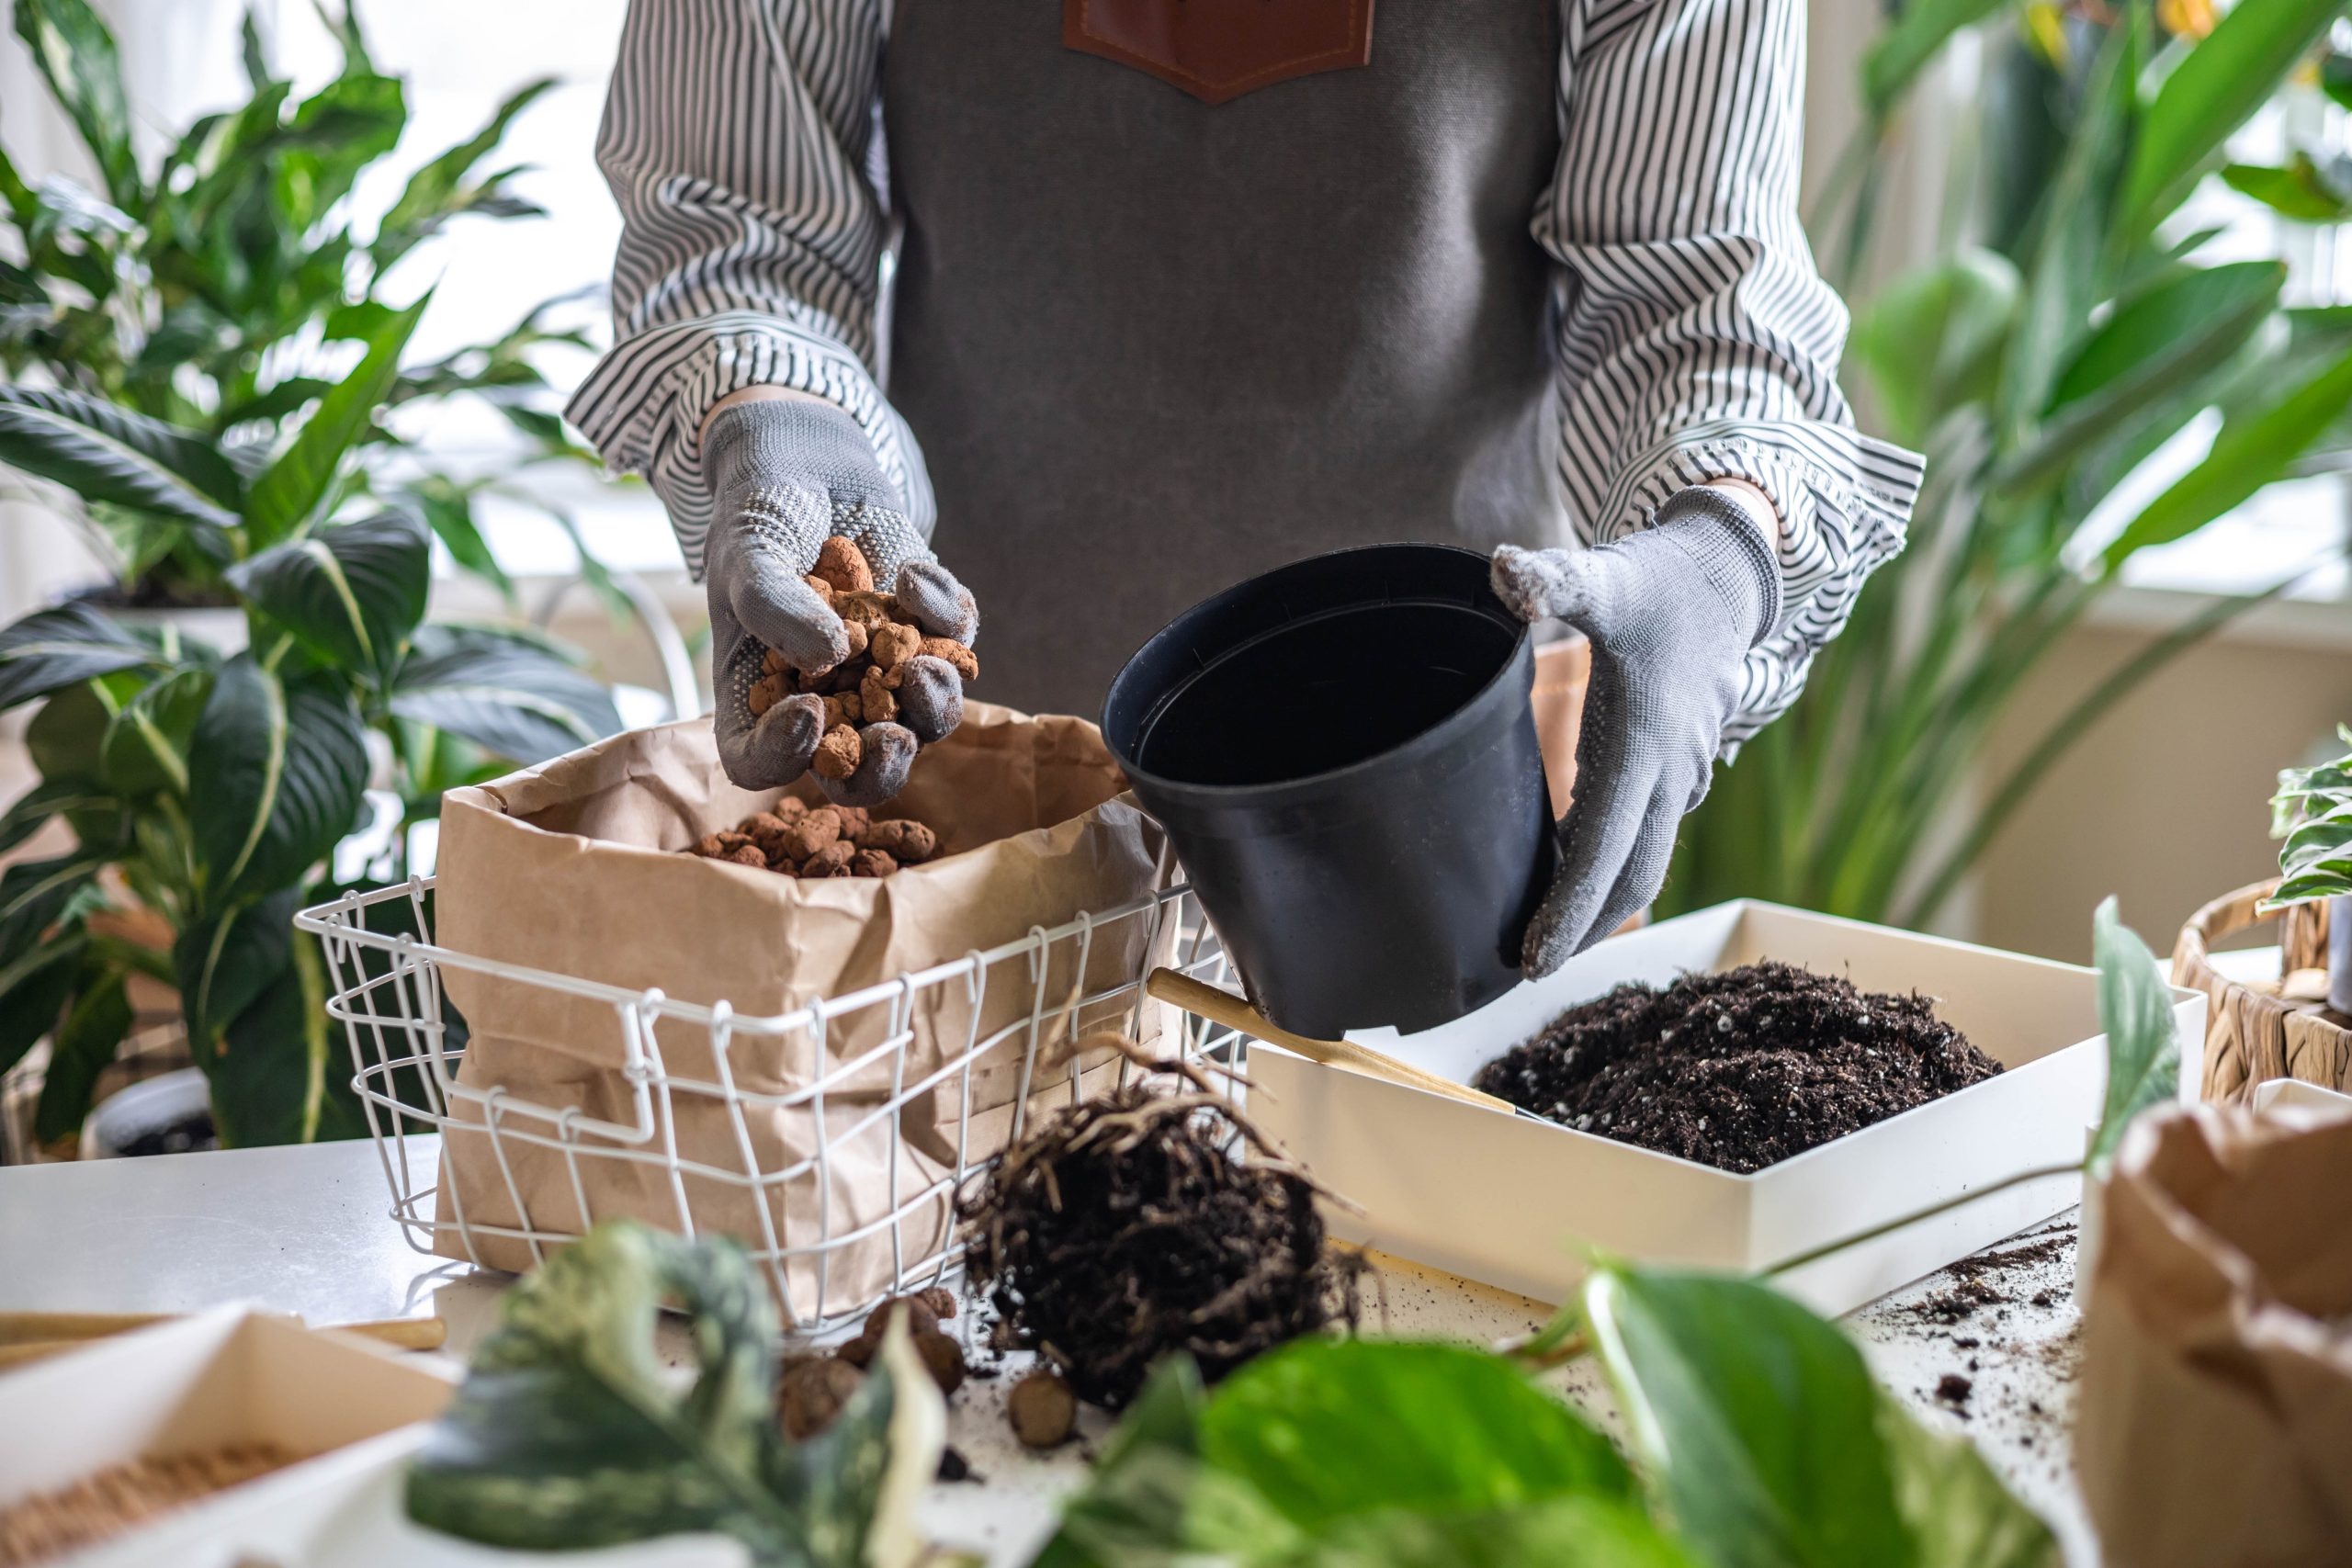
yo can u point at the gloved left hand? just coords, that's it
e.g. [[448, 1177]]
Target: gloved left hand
[[1672, 612]]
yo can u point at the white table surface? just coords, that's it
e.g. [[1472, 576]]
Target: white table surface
[[305, 1230]]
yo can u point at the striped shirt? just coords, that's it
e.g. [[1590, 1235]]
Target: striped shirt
[[1693, 337]]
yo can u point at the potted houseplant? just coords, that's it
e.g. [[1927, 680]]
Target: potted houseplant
[[221, 288], [2085, 323], [210, 786], [2312, 812], [179, 348]]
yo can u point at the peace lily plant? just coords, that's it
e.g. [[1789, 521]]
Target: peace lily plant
[[210, 787], [224, 287]]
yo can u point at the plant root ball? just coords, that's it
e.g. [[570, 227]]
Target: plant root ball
[[1124, 1228], [1043, 1410], [812, 1393]]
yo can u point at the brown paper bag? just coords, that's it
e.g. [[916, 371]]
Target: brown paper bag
[[2215, 1425], [574, 867]]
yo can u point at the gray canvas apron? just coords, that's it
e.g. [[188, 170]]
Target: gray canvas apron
[[1152, 345]]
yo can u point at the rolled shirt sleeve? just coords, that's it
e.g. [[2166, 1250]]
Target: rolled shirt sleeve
[[1696, 339], [737, 139]]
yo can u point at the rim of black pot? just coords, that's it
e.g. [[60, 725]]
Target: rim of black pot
[[1462, 717]]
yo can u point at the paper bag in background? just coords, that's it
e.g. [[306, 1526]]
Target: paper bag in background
[[574, 867], [2215, 1423]]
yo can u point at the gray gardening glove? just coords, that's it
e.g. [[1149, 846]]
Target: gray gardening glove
[[786, 473], [1672, 612]]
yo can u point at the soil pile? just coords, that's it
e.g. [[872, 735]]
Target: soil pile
[[1737, 1070], [1125, 1227]]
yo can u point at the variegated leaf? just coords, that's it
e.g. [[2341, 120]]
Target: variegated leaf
[[51, 649], [276, 770], [351, 592]]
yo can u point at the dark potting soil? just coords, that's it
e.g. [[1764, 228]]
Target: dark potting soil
[[1737, 1070]]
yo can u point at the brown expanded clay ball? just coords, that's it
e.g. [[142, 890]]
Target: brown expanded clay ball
[[907, 841], [877, 702], [833, 860], [891, 645], [841, 566], [1043, 1409], [965, 662], [811, 1392], [811, 831], [943, 1357], [837, 752]]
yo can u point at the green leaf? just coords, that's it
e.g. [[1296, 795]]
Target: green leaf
[[2336, 78], [505, 695], [35, 895], [275, 776], [1917, 34], [1755, 1419], [292, 489], [56, 797], [146, 743], [344, 23], [350, 592], [251, 51], [447, 508], [2304, 189], [2142, 1045], [102, 453], [1313, 1428], [435, 191], [332, 139], [1932, 339], [1560, 1533], [68, 732], [2251, 452], [86, 1043], [1959, 1513], [2062, 279], [2327, 879], [280, 1074], [50, 649], [567, 1433], [224, 963], [34, 989], [76, 56], [2317, 838], [2233, 70], [2151, 347]]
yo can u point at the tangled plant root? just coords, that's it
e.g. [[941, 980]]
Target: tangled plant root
[[1124, 1228]]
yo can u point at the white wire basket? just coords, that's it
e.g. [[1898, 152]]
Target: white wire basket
[[407, 1046]]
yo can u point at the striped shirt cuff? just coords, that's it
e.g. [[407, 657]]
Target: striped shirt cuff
[[1844, 501], [644, 406]]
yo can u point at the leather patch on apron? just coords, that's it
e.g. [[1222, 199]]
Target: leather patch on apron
[[1218, 49]]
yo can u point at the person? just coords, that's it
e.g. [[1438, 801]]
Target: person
[[1169, 292]]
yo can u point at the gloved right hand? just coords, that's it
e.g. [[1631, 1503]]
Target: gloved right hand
[[786, 474]]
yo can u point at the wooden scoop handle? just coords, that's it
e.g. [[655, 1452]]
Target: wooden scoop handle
[[1206, 1000]]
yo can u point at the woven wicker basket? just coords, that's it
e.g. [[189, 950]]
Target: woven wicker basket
[[2270, 1029]]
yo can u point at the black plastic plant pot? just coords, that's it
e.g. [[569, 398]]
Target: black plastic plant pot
[[1344, 755]]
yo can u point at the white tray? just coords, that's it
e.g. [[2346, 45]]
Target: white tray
[[1516, 1202], [225, 1376]]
